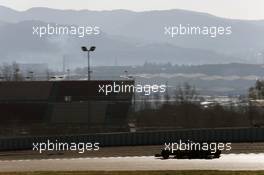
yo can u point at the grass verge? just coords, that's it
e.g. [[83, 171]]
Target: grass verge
[[141, 173]]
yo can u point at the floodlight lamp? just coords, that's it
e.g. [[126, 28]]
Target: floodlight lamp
[[92, 48], [84, 49]]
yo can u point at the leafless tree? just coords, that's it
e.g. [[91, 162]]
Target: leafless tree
[[11, 72], [186, 94]]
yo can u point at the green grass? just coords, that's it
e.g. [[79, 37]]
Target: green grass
[[142, 173]]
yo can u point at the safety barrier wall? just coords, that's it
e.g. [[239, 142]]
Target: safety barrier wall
[[143, 138]]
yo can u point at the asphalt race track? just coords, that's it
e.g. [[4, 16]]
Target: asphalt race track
[[226, 162]]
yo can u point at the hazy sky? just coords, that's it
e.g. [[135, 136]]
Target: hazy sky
[[242, 9]]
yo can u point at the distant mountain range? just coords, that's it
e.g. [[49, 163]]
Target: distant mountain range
[[128, 38]]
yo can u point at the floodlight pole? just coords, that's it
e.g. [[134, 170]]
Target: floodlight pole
[[89, 75], [88, 55], [89, 69]]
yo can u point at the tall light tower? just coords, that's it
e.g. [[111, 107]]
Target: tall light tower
[[88, 55]]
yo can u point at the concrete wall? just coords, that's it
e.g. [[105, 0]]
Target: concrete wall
[[144, 138]]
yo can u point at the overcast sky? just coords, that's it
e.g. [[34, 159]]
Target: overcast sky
[[240, 9]]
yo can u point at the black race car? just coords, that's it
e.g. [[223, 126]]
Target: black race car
[[190, 154]]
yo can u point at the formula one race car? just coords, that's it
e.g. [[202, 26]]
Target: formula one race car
[[189, 153]]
